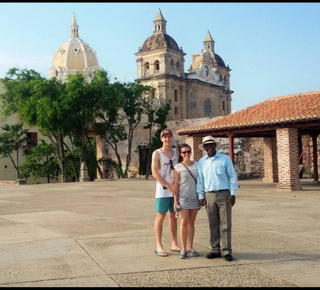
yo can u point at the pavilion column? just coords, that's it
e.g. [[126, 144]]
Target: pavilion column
[[288, 155], [306, 154], [270, 161], [194, 143], [315, 157], [231, 150]]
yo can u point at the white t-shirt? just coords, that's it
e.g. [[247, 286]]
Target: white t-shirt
[[188, 197], [166, 173]]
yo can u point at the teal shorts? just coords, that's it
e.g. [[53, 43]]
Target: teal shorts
[[164, 204]]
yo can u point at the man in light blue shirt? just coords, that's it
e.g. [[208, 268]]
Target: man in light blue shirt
[[217, 184]]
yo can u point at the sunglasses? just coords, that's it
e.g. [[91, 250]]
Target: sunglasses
[[185, 152], [170, 163]]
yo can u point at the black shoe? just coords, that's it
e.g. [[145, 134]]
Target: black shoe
[[213, 255], [228, 257]]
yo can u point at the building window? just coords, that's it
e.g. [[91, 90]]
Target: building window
[[146, 67], [152, 94], [176, 110], [208, 108], [33, 139], [178, 66], [176, 95], [172, 66], [157, 65], [223, 107]]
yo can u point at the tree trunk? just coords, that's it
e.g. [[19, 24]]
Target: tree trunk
[[149, 155]]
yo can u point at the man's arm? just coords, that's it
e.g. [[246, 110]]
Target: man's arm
[[233, 181], [200, 185], [232, 175]]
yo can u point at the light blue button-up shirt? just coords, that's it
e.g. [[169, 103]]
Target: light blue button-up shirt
[[215, 174]]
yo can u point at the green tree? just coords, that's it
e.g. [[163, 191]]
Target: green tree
[[41, 162], [112, 167], [107, 120], [157, 111], [161, 118], [79, 102], [120, 105], [36, 101], [68, 110], [133, 108], [61, 110], [14, 138]]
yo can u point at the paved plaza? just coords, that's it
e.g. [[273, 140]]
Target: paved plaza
[[100, 234]]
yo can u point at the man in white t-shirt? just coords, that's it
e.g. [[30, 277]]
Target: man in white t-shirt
[[163, 161]]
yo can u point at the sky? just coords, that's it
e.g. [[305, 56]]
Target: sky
[[271, 48]]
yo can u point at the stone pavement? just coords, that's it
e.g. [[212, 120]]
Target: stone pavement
[[100, 234]]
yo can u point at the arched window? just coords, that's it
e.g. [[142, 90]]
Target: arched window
[[146, 67], [176, 95], [178, 68], [152, 94], [57, 73], [171, 66], [157, 65], [176, 110]]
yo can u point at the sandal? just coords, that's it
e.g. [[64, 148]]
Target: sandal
[[160, 253], [193, 253], [183, 255]]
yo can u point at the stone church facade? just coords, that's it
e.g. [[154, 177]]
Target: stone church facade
[[196, 96], [202, 92]]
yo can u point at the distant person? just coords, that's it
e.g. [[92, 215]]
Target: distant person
[[162, 166], [216, 187], [185, 178]]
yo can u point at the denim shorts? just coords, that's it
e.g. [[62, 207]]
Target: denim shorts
[[164, 204]]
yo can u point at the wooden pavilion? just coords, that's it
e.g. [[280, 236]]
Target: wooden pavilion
[[282, 122]]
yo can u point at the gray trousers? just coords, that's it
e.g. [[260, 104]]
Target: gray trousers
[[219, 216]]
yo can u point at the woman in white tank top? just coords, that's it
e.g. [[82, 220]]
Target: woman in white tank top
[[185, 177]]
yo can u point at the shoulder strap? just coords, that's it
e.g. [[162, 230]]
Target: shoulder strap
[[195, 180]]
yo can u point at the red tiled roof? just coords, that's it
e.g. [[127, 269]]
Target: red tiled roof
[[277, 110]]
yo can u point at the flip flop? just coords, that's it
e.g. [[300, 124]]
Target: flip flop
[[164, 254], [177, 251]]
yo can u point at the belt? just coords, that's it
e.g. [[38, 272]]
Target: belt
[[218, 190]]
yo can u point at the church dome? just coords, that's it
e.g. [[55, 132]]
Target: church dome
[[74, 55], [219, 60], [159, 40]]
